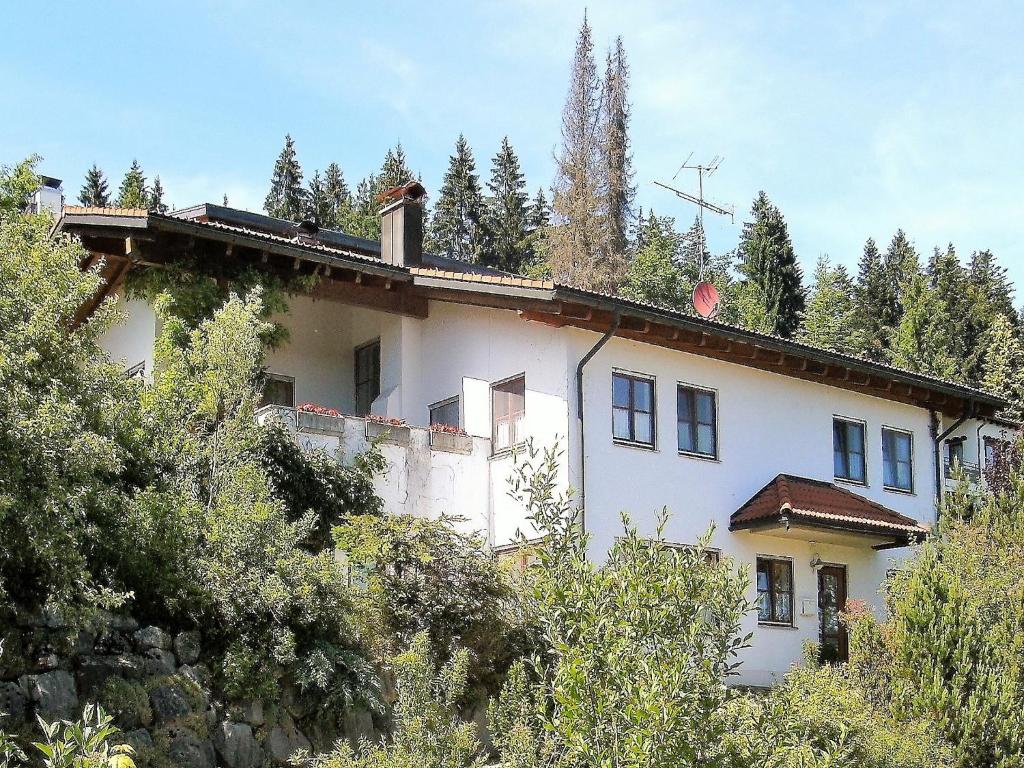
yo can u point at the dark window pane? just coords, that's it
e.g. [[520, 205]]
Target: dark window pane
[[367, 377], [278, 390], [696, 419], [620, 391], [632, 409], [446, 413]]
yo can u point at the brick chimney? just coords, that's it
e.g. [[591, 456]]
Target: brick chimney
[[401, 225]]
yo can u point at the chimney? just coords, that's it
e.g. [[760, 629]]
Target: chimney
[[306, 232], [401, 225]]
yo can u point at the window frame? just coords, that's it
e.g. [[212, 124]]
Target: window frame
[[864, 440], [695, 388], [356, 351], [910, 434], [454, 400], [632, 377], [279, 377], [773, 622], [495, 451]]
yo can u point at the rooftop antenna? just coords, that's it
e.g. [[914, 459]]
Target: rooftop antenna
[[705, 295]]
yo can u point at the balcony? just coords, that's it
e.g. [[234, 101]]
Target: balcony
[[427, 473], [971, 471]]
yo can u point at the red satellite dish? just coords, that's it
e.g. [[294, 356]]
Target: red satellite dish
[[705, 299]]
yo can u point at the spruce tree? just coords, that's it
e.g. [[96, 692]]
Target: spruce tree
[[874, 303], [924, 341], [457, 227], [365, 218], [94, 191], [1004, 365], [948, 280], [395, 170], [829, 318], [654, 275], [133, 192], [339, 197], [768, 261], [540, 211], [156, 197], [286, 198], [574, 242], [318, 204], [506, 220], [618, 191]]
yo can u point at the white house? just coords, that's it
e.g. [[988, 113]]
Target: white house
[[816, 469]]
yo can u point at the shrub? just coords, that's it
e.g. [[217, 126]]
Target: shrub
[[126, 701], [85, 743]]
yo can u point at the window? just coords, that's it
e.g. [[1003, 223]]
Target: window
[[508, 409], [445, 412], [367, 370], [633, 409], [848, 450], [897, 459], [137, 371], [955, 447], [995, 450], [278, 390], [696, 421], [774, 591]]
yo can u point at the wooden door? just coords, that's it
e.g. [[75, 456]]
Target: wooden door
[[832, 600]]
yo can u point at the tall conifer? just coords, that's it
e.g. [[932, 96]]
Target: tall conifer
[[506, 222], [339, 197], [618, 191], [94, 191], [768, 261], [828, 321], [133, 192], [457, 227], [286, 198], [156, 197]]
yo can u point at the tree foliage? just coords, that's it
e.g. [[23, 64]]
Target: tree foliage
[[830, 318], [133, 192], [506, 222], [286, 198], [94, 191], [457, 228]]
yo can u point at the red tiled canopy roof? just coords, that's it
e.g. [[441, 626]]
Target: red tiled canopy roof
[[815, 502]]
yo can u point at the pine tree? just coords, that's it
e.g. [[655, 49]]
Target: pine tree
[[395, 170], [881, 280], [507, 216], [133, 193], [365, 218], [767, 259], [286, 198], [540, 211], [94, 191], [456, 229], [339, 197], [924, 341], [1004, 365], [318, 204], [948, 280], [654, 275], [618, 191], [156, 197], [829, 320], [573, 244]]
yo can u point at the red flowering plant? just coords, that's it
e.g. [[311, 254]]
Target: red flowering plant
[[322, 410], [447, 429], [391, 422]]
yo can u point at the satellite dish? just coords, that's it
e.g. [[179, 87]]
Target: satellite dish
[[706, 299]]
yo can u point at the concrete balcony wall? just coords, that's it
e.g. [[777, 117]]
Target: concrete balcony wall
[[427, 478]]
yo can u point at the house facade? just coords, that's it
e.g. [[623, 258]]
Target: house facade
[[816, 470]]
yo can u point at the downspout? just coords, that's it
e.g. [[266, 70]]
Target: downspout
[[969, 410], [579, 414]]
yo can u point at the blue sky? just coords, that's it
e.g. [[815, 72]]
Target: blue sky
[[856, 119]]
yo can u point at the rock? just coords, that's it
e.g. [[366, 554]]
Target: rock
[[152, 637], [93, 671], [197, 673], [48, 661], [53, 694], [187, 750], [252, 713], [138, 740], [237, 746], [186, 647], [14, 703], [113, 642], [156, 661], [168, 703], [118, 622], [84, 642], [358, 727], [285, 740]]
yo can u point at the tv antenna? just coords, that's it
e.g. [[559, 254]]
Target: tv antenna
[[705, 296]]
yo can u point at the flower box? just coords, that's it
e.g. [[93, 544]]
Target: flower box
[[321, 422], [389, 433], [454, 442]]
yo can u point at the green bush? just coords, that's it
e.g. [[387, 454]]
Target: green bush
[[127, 701]]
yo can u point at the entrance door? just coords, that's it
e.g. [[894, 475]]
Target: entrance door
[[832, 600]]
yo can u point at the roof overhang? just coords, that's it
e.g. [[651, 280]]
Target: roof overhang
[[352, 271]]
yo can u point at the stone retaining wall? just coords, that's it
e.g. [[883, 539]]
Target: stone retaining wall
[[157, 688]]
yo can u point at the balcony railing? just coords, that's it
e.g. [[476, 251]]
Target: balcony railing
[[971, 471], [427, 473]]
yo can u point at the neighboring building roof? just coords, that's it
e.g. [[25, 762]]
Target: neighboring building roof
[[791, 499], [542, 300]]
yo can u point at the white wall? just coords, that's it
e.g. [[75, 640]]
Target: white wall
[[132, 341]]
